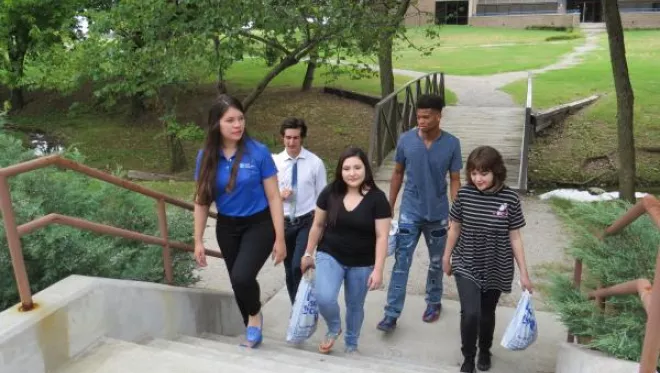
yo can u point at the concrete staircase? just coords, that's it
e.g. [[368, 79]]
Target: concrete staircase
[[215, 353], [593, 26], [414, 347]]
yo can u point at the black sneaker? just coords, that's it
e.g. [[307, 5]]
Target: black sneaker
[[468, 366], [388, 324], [483, 362]]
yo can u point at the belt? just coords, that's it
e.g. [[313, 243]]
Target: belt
[[297, 219], [258, 217]]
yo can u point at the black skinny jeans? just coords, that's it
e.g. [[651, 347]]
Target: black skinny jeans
[[246, 243], [295, 233], [477, 316]]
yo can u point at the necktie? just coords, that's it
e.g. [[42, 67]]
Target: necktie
[[294, 188]]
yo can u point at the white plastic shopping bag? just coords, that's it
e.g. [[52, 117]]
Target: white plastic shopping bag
[[392, 239], [305, 312], [523, 329]]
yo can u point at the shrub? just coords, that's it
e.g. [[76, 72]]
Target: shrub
[[631, 254], [55, 252], [549, 28], [563, 37]]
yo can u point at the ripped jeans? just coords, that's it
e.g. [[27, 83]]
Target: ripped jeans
[[435, 234]]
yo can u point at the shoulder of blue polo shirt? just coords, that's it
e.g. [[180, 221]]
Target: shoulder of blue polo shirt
[[256, 146]]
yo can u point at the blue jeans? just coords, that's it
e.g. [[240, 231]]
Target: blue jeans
[[295, 234], [435, 234], [330, 275]]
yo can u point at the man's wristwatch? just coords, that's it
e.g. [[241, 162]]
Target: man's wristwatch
[[307, 255]]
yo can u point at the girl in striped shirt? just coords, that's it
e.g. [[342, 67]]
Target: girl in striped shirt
[[483, 242]]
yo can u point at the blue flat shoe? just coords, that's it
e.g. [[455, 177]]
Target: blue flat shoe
[[253, 335]]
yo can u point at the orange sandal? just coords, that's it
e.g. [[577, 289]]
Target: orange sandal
[[329, 341]]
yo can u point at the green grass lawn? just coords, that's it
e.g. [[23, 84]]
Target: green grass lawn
[[463, 36], [462, 50], [593, 132], [247, 73], [183, 190]]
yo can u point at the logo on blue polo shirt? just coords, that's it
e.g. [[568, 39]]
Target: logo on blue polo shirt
[[247, 165]]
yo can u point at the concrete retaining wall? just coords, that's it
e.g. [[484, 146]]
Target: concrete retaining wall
[[525, 20], [640, 20], [574, 358], [77, 312]]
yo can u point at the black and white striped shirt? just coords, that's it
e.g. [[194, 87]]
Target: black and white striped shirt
[[483, 252]]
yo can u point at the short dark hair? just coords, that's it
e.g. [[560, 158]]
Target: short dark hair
[[484, 159], [429, 101], [294, 123]]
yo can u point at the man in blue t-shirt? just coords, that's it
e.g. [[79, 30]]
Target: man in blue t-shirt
[[425, 154]]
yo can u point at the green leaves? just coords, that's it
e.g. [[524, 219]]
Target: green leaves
[[29, 24]]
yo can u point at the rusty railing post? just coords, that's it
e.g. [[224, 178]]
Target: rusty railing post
[[651, 347], [637, 210], [167, 255], [577, 282], [14, 243]]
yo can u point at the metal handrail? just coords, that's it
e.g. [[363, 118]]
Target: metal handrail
[[528, 134], [14, 232], [392, 118], [648, 292]]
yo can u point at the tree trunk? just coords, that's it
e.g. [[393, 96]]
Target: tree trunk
[[177, 155], [624, 99], [221, 86], [17, 100], [385, 67], [137, 105], [258, 90], [18, 46], [309, 74]]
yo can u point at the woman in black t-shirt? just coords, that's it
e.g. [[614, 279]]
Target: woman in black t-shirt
[[351, 225]]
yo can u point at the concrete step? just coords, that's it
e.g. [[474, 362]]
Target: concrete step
[[310, 349], [219, 347], [198, 355], [249, 358], [430, 345], [115, 356]]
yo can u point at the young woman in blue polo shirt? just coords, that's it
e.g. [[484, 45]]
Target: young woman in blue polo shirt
[[239, 175]]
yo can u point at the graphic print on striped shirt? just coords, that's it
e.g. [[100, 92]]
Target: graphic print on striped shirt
[[483, 252]]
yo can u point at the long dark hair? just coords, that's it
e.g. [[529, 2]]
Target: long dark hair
[[205, 192], [338, 187]]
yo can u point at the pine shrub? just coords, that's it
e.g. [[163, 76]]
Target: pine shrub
[[619, 329]]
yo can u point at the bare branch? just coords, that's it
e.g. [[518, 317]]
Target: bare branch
[[411, 44], [270, 42]]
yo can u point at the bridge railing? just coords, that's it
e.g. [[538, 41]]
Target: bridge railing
[[648, 292], [527, 138], [396, 114], [15, 232]]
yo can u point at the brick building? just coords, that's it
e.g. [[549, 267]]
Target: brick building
[[524, 13]]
